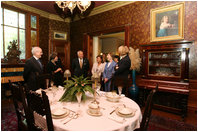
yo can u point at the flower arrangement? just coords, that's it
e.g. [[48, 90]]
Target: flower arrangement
[[134, 56], [74, 86]]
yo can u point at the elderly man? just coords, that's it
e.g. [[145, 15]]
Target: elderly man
[[80, 65], [33, 68]]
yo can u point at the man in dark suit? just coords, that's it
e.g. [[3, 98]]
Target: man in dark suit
[[33, 68], [122, 68], [80, 65]]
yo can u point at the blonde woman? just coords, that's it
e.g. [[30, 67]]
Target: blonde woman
[[122, 68]]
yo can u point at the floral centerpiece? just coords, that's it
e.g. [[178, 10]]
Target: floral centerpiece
[[75, 86]]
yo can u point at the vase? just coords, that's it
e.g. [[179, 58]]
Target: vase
[[133, 90]]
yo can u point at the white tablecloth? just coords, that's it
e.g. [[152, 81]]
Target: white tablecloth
[[86, 122]]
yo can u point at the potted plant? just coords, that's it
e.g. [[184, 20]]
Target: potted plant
[[134, 56], [76, 86]]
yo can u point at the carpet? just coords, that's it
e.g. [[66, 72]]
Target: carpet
[[8, 120], [158, 123]]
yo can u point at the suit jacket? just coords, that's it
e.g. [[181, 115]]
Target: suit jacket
[[76, 67], [32, 69], [109, 71], [121, 74]]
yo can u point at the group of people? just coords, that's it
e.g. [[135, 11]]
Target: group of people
[[107, 67]]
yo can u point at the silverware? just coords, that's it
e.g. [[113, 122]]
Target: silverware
[[67, 121], [75, 116], [113, 110]]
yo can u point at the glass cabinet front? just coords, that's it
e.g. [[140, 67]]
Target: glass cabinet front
[[165, 63]]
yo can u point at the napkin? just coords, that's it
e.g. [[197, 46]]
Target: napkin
[[116, 118], [60, 87]]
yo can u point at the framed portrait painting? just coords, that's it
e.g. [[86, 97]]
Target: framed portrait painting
[[60, 35], [167, 23]]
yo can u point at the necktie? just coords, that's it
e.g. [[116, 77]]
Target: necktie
[[81, 63], [40, 64]]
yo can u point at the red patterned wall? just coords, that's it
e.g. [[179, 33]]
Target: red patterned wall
[[47, 27], [138, 16], [43, 38]]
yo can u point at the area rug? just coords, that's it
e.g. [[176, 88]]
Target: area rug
[[158, 123], [8, 120]]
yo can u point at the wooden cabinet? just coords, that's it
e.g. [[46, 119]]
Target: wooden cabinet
[[166, 64]]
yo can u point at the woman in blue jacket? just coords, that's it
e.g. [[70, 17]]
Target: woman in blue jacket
[[108, 72]]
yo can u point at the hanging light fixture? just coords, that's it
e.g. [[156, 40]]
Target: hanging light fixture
[[82, 5]]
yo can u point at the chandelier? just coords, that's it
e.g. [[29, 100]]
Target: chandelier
[[82, 5]]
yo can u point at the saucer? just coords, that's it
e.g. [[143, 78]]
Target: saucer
[[113, 99], [94, 114]]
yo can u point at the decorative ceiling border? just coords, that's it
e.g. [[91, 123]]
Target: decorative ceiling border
[[35, 10], [107, 7]]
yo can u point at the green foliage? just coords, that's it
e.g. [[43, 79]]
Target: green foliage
[[77, 84]]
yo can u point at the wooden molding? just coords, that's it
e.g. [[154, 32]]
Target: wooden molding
[[35, 10]]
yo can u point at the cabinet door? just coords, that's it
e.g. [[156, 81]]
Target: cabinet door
[[167, 64]]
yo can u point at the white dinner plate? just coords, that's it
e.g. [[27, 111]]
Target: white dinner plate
[[59, 112], [127, 112]]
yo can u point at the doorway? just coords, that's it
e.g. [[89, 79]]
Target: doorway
[[63, 50], [92, 39]]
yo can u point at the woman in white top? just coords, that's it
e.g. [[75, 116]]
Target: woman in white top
[[98, 67]]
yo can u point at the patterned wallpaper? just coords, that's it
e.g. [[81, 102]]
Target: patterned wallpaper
[[47, 27], [137, 15], [43, 38]]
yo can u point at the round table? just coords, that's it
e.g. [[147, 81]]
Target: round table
[[86, 122]]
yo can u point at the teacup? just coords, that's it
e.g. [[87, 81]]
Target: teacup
[[94, 108]]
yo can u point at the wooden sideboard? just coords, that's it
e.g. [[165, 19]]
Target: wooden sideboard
[[166, 64]]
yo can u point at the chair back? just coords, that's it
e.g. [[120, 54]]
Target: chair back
[[148, 109], [39, 105], [21, 106], [43, 81]]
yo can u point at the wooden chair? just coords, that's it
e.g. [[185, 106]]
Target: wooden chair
[[21, 106], [39, 106], [43, 81], [147, 110]]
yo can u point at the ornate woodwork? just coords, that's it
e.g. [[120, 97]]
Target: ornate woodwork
[[173, 87]]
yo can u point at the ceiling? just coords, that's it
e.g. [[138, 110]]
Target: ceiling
[[48, 6]]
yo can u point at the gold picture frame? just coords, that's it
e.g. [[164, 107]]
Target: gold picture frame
[[60, 35], [167, 23]]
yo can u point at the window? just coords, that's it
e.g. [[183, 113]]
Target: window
[[13, 28]]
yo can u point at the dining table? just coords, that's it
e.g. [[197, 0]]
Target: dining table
[[79, 117]]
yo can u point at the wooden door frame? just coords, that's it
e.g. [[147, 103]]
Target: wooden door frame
[[66, 51], [88, 37]]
